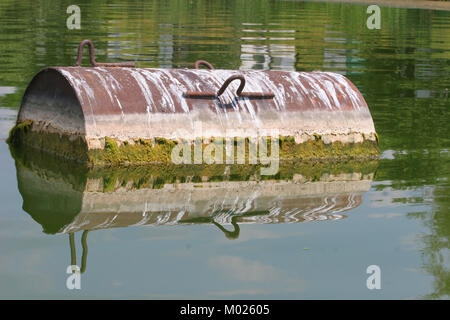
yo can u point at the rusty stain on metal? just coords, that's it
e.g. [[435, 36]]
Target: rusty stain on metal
[[92, 57]]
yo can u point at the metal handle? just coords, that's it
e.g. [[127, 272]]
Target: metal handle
[[213, 95], [198, 63], [92, 57]]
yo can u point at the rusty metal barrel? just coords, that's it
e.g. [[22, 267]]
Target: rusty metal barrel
[[88, 107]]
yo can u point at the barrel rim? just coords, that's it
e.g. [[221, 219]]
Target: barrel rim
[[33, 82]]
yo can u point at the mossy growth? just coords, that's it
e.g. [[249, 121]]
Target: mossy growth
[[159, 150], [156, 176], [18, 132], [111, 146], [143, 151], [69, 147], [317, 150]]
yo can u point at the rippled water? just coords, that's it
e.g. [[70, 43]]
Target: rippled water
[[310, 236]]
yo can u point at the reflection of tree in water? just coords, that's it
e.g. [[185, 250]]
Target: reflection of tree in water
[[435, 253], [414, 170], [435, 244]]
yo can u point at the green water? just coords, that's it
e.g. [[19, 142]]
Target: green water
[[400, 223]]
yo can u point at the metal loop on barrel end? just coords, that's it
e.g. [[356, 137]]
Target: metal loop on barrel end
[[92, 57], [212, 95], [205, 63]]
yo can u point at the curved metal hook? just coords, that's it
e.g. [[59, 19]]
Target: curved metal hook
[[92, 57], [198, 63]]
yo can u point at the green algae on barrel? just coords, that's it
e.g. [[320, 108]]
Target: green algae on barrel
[[155, 176], [68, 147], [143, 151]]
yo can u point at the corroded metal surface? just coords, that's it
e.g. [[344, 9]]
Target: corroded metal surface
[[131, 103]]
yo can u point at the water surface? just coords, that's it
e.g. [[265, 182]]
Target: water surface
[[396, 213]]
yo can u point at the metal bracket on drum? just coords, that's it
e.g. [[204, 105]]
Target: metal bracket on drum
[[239, 93]]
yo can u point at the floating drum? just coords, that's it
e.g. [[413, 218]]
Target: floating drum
[[116, 114]]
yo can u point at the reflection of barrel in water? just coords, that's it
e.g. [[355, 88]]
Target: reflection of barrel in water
[[252, 202], [65, 201], [64, 198]]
